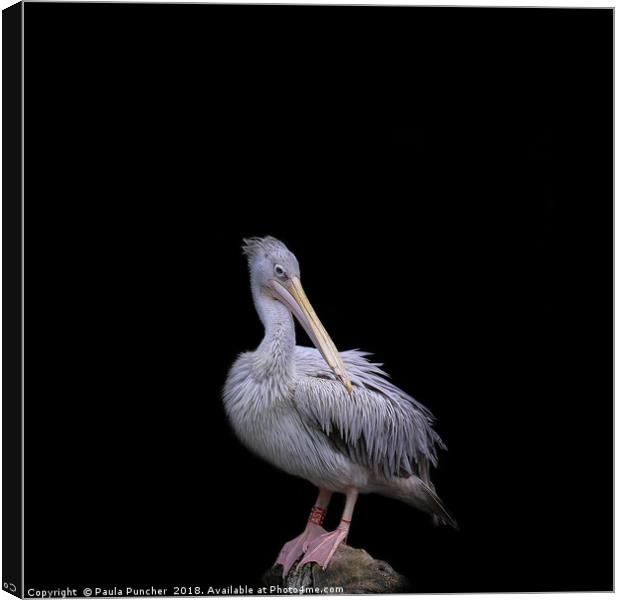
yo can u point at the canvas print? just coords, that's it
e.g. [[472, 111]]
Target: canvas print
[[306, 299]]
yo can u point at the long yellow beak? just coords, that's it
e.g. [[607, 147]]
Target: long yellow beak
[[293, 296]]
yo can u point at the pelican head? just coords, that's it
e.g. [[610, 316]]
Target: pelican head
[[274, 272]]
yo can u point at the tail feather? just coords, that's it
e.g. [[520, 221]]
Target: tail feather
[[441, 515], [415, 492]]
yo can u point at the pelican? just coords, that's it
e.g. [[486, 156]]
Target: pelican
[[328, 417]]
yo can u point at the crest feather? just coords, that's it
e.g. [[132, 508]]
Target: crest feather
[[252, 246]]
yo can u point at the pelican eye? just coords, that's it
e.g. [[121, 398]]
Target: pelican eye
[[279, 271]]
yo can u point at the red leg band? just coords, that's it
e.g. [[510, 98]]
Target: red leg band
[[317, 515]]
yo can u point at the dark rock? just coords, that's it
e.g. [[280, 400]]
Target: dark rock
[[351, 569]]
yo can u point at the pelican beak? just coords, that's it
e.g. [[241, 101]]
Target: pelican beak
[[292, 295]]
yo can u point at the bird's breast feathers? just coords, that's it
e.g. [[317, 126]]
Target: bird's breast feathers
[[267, 422]]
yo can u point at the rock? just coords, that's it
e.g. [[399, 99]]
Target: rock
[[351, 569]]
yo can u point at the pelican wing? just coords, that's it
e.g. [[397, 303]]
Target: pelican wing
[[377, 425]]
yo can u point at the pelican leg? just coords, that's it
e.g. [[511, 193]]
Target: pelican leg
[[295, 549], [323, 548]]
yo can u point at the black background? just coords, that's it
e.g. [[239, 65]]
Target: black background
[[444, 178]]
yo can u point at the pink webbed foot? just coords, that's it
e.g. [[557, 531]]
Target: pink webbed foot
[[323, 548], [295, 549]]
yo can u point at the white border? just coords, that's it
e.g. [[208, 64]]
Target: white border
[[497, 3]]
